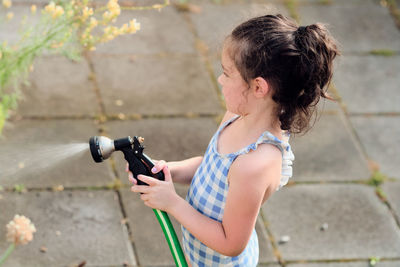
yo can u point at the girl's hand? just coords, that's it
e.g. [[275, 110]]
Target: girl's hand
[[158, 194], [158, 165]]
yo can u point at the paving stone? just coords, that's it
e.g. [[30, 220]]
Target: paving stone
[[266, 252], [328, 153], [392, 189], [175, 85], [269, 265], [53, 92], [347, 264], [380, 137], [372, 27], [168, 139], [365, 82], [359, 225], [37, 154], [74, 226], [212, 28], [11, 30], [164, 31]]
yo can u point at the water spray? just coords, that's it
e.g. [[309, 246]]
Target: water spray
[[102, 147]]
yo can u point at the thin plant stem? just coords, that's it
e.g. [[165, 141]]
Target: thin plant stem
[[7, 253]]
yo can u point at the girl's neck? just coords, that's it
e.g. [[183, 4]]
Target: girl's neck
[[261, 119]]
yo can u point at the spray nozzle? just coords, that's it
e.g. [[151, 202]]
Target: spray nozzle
[[102, 147]]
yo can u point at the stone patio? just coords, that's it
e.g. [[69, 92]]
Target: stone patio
[[161, 84]]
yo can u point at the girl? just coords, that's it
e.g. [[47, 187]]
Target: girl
[[274, 74]]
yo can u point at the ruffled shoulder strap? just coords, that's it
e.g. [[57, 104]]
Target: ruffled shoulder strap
[[284, 147]]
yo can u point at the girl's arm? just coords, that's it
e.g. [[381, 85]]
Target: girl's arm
[[182, 171], [251, 177]]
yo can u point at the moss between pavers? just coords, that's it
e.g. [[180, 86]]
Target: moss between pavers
[[383, 52]]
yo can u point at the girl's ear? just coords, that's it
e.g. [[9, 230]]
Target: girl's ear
[[261, 87]]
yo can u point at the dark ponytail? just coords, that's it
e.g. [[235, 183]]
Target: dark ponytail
[[297, 62]]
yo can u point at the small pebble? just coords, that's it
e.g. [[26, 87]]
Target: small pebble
[[284, 239], [119, 102], [43, 249], [324, 227], [58, 233]]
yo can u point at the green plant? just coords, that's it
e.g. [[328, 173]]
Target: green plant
[[383, 52], [377, 178], [66, 28]]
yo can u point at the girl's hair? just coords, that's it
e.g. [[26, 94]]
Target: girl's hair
[[297, 62]]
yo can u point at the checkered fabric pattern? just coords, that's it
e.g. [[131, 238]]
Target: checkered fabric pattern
[[207, 194]]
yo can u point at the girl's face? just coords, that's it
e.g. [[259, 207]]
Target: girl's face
[[233, 85]]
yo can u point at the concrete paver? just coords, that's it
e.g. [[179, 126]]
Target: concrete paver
[[372, 93], [32, 154], [359, 225], [213, 34], [161, 73], [370, 23], [392, 189], [380, 137], [160, 32], [74, 226], [59, 95], [327, 153], [175, 85], [10, 30]]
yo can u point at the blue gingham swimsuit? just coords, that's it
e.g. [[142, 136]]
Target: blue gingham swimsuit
[[207, 194]]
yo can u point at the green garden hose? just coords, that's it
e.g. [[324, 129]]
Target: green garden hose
[[172, 239]]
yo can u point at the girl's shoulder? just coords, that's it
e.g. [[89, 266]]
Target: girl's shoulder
[[263, 165]]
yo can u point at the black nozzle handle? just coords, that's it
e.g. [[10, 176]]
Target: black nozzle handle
[[140, 164], [150, 164]]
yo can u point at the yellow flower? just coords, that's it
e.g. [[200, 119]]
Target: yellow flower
[[9, 15], [107, 15], [124, 28], [114, 7], [58, 12], [56, 45], [33, 9], [86, 13], [133, 26], [7, 3], [157, 6], [50, 7], [20, 230], [1, 54], [93, 23]]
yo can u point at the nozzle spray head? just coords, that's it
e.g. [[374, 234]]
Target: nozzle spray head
[[102, 147]]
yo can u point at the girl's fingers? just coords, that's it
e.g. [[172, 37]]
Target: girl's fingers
[[132, 180], [140, 189], [158, 166], [148, 180]]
